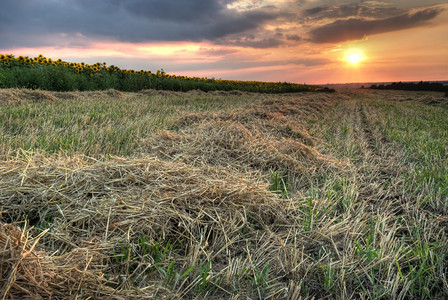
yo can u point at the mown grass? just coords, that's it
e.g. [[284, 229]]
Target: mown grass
[[101, 126], [423, 132], [400, 203], [224, 197]]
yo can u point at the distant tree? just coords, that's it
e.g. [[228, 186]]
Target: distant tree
[[409, 86]]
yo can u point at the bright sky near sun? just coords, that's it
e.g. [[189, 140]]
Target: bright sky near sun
[[311, 41]]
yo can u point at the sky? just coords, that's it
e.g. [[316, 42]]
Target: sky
[[302, 41]]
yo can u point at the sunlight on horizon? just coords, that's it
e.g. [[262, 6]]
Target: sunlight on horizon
[[354, 56]]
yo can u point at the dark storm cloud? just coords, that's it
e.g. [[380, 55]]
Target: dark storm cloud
[[293, 37], [256, 43], [78, 23], [32, 23], [358, 28], [340, 11], [314, 10], [192, 11], [352, 10]]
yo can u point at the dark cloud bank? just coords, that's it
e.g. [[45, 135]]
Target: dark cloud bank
[[353, 29], [126, 20], [76, 23]]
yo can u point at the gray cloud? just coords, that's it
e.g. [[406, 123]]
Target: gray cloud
[[192, 11], [358, 28], [334, 11], [311, 62], [363, 9], [78, 23], [255, 43], [33, 22], [314, 10], [293, 37], [213, 52]]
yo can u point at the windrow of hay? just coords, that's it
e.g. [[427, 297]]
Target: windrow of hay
[[227, 93], [267, 138], [283, 117], [152, 92], [294, 107], [21, 96], [234, 146], [23, 271], [91, 207], [159, 93], [434, 100], [26, 96], [29, 273], [31, 187]]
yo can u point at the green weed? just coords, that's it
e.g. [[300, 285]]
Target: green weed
[[279, 183]]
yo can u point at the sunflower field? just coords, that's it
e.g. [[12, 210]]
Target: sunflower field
[[58, 75]]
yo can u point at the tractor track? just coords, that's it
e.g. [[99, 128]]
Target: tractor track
[[384, 155]]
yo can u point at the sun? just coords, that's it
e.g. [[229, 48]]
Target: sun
[[354, 59], [354, 56]]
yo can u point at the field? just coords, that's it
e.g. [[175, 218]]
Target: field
[[223, 195]]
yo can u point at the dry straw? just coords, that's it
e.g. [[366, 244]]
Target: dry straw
[[27, 96], [203, 188], [96, 204], [268, 138]]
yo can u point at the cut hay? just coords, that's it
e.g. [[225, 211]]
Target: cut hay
[[269, 138], [434, 100], [22, 96], [115, 227], [196, 93], [152, 92], [31, 188], [227, 93], [282, 118], [23, 272], [192, 93], [229, 199], [92, 207], [234, 146], [28, 273], [27, 96]]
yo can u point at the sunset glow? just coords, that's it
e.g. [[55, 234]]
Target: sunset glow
[[354, 56], [314, 42]]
